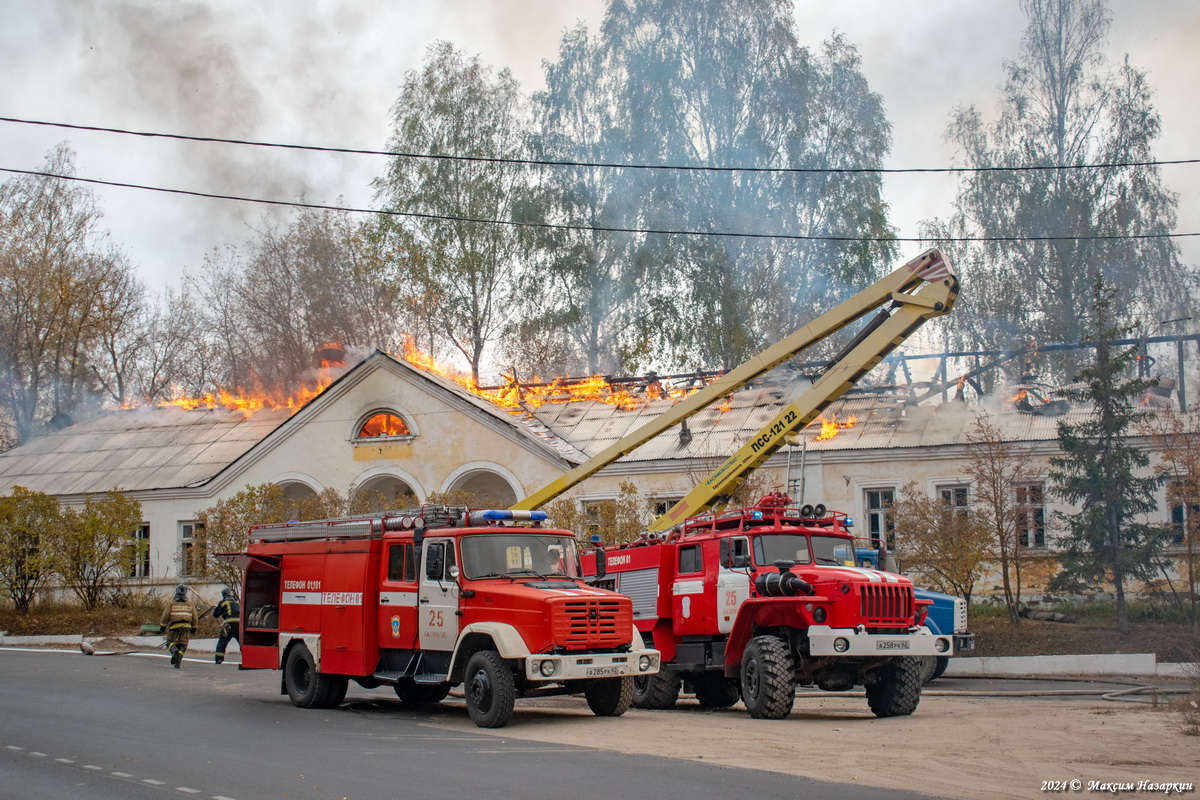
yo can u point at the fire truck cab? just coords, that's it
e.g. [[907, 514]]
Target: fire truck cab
[[425, 599], [750, 602]]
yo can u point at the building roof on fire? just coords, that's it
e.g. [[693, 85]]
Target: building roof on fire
[[168, 447]]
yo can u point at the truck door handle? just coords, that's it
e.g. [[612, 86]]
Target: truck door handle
[[384, 601], [424, 600]]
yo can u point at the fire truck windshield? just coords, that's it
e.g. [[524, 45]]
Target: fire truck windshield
[[772, 547], [515, 555]]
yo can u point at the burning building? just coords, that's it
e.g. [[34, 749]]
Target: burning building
[[401, 430]]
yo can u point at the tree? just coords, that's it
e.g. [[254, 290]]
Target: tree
[[1061, 107], [1176, 437], [1000, 471], [27, 521], [63, 285], [616, 521], [225, 528], [594, 289], [95, 547], [464, 269], [271, 303], [947, 546], [721, 84], [1099, 471]]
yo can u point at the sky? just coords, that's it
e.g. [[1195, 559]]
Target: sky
[[326, 72]]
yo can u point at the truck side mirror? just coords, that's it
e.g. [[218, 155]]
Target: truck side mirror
[[601, 562]]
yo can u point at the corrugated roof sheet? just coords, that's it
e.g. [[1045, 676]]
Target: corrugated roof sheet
[[143, 448], [881, 421]]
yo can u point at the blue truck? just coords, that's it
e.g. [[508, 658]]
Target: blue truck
[[947, 615]]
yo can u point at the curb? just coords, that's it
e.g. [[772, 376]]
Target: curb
[[139, 642], [1143, 664]]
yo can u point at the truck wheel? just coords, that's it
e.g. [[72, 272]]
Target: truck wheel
[[610, 697], [415, 694], [658, 691], [714, 690], [768, 678], [307, 687], [932, 668], [897, 688], [928, 666], [490, 690]]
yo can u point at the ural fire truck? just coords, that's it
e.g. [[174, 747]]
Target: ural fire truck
[[750, 602], [424, 599]]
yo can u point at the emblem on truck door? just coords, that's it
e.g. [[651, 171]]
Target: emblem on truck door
[[396, 627]]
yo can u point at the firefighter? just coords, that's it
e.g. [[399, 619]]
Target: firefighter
[[179, 621], [228, 612]]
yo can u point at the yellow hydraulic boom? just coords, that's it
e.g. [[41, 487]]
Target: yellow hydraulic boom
[[923, 288]]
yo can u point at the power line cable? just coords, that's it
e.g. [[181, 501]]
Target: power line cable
[[600, 164], [596, 228]]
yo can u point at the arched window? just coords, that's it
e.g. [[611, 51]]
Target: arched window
[[383, 423]]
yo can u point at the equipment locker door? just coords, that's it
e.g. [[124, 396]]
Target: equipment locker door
[[437, 604]]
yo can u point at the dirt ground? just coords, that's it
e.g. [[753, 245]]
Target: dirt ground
[[954, 747]]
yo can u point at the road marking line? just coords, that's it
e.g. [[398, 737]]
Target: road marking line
[[39, 755], [121, 774], [221, 797], [91, 766], [64, 761], [14, 747], [186, 789], [153, 782]]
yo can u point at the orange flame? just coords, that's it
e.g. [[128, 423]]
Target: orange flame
[[516, 396], [831, 426], [250, 402], [1019, 396]]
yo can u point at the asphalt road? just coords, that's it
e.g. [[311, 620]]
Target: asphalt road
[[131, 727]]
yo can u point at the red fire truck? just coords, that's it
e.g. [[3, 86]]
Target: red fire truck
[[750, 602], [424, 599]]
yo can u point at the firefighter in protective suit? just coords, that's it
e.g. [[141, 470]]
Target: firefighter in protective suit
[[179, 621], [228, 612]]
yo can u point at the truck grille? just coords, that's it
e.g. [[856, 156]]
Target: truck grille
[[592, 623], [887, 604]]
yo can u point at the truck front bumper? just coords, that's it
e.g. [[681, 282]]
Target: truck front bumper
[[826, 641], [551, 667]]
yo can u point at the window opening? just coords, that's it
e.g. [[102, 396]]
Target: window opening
[[383, 424]]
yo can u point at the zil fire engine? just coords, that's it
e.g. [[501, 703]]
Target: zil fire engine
[[757, 600], [424, 599], [750, 602]]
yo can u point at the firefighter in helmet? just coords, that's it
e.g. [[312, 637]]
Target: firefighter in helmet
[[179, 621], [228, 612]]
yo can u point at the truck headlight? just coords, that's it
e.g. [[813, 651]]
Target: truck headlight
[[941, 645], [644, 663], [819, 615], [546, 668], [841, 645]]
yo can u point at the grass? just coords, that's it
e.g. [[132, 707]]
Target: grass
[[124, 619]]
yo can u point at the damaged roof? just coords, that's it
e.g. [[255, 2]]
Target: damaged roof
[[138, 448], [881, 421]]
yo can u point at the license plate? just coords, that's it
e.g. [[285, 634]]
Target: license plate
[[603, 672], [891, 644]]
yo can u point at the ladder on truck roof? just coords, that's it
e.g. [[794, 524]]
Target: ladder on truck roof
[[372, 526], [917, 291]]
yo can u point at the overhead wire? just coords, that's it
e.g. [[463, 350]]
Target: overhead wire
[[596, 228], [599, 164]]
